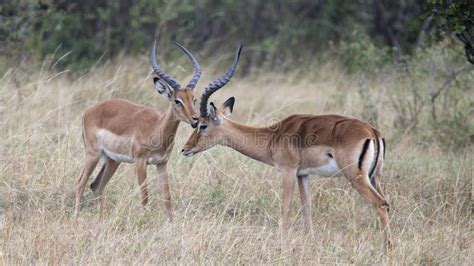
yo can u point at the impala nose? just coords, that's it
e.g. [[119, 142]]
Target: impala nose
[[195, 122]]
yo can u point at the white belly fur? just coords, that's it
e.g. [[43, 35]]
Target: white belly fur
[[156, 159], [328, 170], [117, 148], [117, 157], [128, 159]]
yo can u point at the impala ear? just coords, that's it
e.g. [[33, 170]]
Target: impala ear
[[163, 88], [228, 106], [213, 114]]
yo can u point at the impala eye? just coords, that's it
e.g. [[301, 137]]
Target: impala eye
[[194, 101], [177, 102], [203, 127]]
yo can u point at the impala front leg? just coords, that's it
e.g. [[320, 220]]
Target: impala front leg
[[305, 196], [289, 179], [141, 175], [165, 188]]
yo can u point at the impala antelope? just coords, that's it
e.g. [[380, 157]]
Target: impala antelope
[[298, 146], [124, 132]]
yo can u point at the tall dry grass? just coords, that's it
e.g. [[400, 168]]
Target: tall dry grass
[[227, 206]]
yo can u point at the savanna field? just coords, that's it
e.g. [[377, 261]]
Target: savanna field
[[227, 206]]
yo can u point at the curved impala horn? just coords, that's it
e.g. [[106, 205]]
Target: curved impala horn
[[167, 78], [218, 83], [197, 69]]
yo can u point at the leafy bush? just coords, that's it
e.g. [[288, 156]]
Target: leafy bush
[[455, 17], [278, 31], [361, 55], [434, 91]]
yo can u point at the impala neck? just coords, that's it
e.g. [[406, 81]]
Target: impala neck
[[251, 141], [166, 131]]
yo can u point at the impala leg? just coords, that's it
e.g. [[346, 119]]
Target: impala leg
[[141, 175], [378, 180], [362, 185], [95, 184], [289, 179], [305, 197], [383, 212], [91, 163], [110, 168], [378, 187], [163, 174]]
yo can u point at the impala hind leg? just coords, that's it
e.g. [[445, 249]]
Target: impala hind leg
[[91, 163], [378, 187], [362, 184], [305, 197], [95, 184], [378, 180], [165, 188], [141, 175], [110, 168]]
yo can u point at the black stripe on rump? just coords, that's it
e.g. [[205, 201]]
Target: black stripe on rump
[[362, 154], [383, 142]]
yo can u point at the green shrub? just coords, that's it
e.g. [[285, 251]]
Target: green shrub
[[362, 56], [434, 92]]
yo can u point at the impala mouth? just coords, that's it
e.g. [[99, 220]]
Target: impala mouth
[[187, 153]]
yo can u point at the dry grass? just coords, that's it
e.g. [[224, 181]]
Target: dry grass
[[227, 207]]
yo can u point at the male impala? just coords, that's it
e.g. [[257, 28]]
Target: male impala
[[300, 145], [121, 131]]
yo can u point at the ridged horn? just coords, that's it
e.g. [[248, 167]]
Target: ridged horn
[[218, 83], [197, 69], [167, 78]]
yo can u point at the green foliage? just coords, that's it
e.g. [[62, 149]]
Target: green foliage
[[361, 55], [453, 16], [456, 17], [59, 32], [278, 31], [434, 92], [457, 130], [15, 28]]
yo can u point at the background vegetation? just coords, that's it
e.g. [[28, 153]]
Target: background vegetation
[[405, 66], [276, 31]]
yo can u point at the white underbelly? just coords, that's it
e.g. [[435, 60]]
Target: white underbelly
[[156, 159], [115, 147], [328, 170], [118, 148], [123, 158]]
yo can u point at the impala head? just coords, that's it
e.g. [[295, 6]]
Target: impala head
[[210, 129], [182, 99]]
